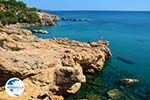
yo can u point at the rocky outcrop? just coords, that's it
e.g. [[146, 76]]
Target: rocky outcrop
[[40, 31], [49, 68], [47, 19], [129, 81], [73, 19]]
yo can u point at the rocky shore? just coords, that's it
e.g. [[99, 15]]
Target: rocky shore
[[49, 68]]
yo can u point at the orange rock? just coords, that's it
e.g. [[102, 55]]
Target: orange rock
[[50, 68]]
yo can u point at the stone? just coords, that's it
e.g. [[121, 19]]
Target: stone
[[74, 88], [128, 81], [114, 94], [40, 31], [125, 60]]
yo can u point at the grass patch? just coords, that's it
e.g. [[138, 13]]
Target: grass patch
[[1, 43], [15, 48], [15, 38]]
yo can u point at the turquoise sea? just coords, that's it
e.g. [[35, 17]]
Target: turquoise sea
[[129, 36]]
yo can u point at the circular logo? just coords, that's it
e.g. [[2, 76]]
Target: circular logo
[[14, 87]]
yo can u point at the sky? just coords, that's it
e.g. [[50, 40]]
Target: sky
[[120, 5]]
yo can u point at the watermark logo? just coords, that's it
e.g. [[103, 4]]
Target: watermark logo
[[14, 87]]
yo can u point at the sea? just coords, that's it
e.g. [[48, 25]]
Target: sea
[[129, 35]]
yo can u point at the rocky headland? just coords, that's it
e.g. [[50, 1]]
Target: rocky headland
[[47, 19], [49, 68]]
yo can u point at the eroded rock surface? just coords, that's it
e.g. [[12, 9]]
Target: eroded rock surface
[[50, 68]]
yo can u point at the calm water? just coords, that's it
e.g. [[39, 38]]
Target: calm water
[[129, 36]]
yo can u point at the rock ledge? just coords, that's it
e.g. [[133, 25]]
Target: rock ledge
[[49, 68]]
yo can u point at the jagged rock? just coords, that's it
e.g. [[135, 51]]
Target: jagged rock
[[128, 81], [114, 94], [50, 68]]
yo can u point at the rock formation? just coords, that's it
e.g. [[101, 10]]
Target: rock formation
[[129, 81], [49, 68], [114, 94], [73, 19], [47, 19], [40, 31]]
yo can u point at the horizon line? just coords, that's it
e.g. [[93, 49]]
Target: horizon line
[[101, 10]]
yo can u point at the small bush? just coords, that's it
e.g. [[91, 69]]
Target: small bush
[[1, 43], [8, 17], [15, 48], [15, 38]]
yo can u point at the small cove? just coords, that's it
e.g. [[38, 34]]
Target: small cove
[[129, 35]]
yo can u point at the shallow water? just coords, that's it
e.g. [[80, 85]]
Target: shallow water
[[129, 36]]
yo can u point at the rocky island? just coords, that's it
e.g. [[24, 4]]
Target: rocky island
[[49, 68]]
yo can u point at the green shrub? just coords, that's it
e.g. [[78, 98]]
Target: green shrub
[[15, 48], [15, 38], [17, 12], [1, 43], [13, 3], [8, 17]]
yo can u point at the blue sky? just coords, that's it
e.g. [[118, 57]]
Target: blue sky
[[134, 5]]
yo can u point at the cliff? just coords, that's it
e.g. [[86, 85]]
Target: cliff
[[49, 68]]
